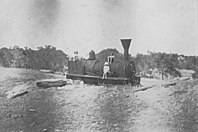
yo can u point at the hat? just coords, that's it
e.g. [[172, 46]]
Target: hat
[[106, 64]]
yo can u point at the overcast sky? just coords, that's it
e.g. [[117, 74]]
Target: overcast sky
[[169, 26]]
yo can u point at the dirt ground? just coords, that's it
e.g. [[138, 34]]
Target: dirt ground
[[88, 108]]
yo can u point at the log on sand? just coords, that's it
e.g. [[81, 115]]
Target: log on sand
[[169, 84], [17, 91], [166, 85], [173, 83], [144, 88], [51, 83]]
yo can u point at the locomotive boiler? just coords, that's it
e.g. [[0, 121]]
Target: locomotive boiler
[[91, 70]]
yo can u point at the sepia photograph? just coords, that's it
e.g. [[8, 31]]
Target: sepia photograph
[[98, 66]]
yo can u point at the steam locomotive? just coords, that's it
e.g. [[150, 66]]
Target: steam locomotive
[[91, 70]]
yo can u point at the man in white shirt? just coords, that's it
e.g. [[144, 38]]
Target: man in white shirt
[[106, 70]]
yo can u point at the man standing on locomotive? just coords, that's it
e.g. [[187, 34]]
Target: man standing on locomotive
[[106, 70]]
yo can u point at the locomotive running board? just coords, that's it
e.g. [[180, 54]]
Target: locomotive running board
[[88, 79]]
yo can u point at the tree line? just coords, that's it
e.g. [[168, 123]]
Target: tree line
[[47, 57], [166, 63]]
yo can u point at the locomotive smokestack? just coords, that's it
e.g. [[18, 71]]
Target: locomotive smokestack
[[126, 43]]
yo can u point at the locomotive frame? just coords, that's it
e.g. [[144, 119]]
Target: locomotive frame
[[90, 71]]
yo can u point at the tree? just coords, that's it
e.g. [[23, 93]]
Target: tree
[[102, 55]]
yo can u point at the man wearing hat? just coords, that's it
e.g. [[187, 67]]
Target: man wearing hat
[[106, 69]]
